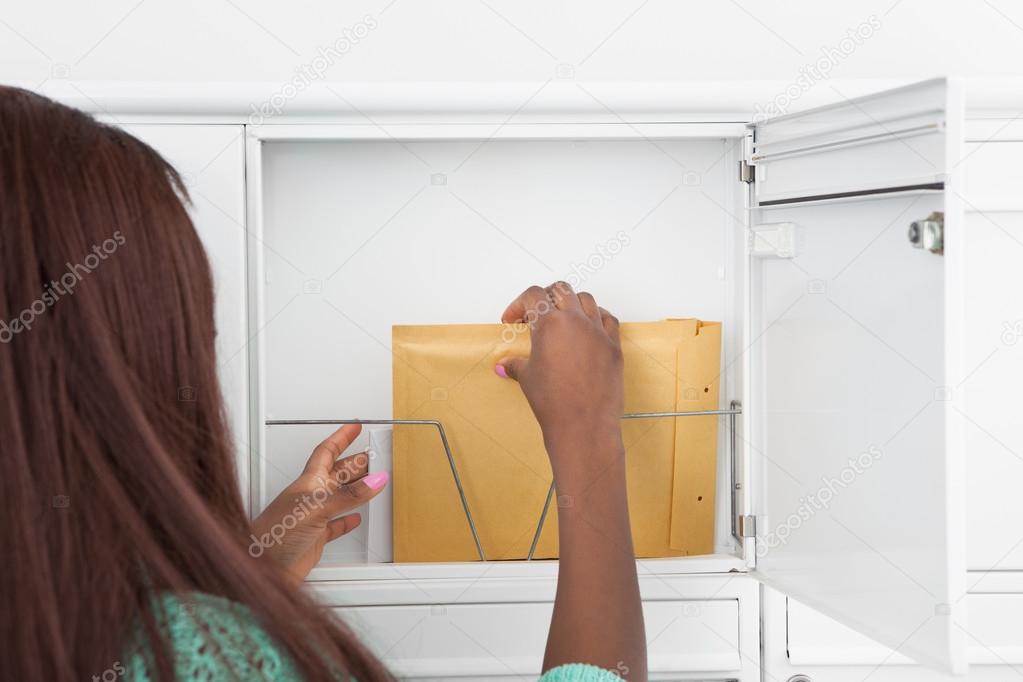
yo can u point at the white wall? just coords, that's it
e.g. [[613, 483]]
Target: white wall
[[486, 40]]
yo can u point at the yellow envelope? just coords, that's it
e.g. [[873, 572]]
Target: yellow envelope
[[446, 372]]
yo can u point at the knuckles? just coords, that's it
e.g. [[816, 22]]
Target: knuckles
[[349, 491], [534, 292], [562, 287]]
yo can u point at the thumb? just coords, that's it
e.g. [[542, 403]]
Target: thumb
[[511, 368]]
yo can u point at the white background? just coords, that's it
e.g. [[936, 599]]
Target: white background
[[43, 43], [508, 40]]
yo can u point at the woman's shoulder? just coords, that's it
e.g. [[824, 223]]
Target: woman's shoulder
[[210, 638]]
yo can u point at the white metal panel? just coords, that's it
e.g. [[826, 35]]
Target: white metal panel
[[993, 349], [680, 639], [362, 235], [398, 102], [379, 512], [894, 139], [458, 640], [210, 159], [800, 641], [994, 636], [359, 235], [855, 359]]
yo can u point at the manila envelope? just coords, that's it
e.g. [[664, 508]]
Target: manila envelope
[[446, 372]]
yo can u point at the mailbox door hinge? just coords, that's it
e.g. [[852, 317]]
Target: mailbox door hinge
[[747, 172], [747, 526]]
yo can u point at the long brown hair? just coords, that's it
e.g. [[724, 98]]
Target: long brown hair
[[117, 477]]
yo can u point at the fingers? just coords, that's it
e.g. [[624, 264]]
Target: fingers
[[533, 303], [610, 323], [563, 296], [330, 449], [350, 468], [342, 526], [511, 368], [338, 441], [589, 306], [347, 497], [527, 301]]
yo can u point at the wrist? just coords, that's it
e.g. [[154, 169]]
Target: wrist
[[585, 429], [579, 453]]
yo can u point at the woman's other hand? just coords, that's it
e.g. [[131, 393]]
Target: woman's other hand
[[318, 507]]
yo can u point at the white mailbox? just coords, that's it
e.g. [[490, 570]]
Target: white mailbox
[[831, 244]]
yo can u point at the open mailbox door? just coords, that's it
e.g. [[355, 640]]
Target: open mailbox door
[[855, 318]]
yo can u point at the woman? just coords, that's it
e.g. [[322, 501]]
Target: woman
[[126, 535]]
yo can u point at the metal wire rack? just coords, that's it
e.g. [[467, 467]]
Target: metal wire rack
[[734, 410]]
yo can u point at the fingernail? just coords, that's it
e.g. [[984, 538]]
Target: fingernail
[[376, 480], [500, 371]]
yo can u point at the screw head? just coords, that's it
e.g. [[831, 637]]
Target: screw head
[[914, 235]]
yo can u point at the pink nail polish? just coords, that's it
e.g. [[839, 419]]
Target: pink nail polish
[[376, 480], [500, 371]]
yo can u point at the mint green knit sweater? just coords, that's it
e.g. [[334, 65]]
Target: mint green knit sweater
[[247, 652]]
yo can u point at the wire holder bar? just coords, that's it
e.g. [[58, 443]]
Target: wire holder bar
[[732, 412]]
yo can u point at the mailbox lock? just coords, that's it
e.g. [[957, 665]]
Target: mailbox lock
[[929, 233]]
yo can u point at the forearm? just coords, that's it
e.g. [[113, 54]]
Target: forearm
[[598, 617]]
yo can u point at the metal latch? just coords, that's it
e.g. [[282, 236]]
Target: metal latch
[[747, 172], [929, 233], [747, 526]]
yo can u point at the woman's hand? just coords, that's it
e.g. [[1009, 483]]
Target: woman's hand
[[316, 508], [573, 380], [573, 376]]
